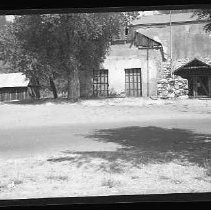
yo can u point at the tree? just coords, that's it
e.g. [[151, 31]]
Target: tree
[[204, 14], [19, 59], [60, 45]]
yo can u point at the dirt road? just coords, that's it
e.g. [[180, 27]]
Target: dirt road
[[30, 141], [105, 147]]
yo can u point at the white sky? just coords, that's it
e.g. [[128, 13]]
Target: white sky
[[10, 17]]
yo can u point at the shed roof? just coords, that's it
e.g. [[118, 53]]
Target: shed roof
[[13, 80], [192, 66], [140, 40]]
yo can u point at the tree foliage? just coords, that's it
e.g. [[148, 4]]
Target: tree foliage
[[204, 14], [50, 46]]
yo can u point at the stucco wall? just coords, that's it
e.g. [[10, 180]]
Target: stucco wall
[[189, 41], [121, 57]]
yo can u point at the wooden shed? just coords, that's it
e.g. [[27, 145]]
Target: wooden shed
[[198, 74], [15, 86]]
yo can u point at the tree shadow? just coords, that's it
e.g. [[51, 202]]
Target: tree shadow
[[40, 101], [152, 144], [60, 100]]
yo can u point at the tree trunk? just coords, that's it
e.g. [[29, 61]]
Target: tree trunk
[[37, 92], [73, 86], [53, 88]]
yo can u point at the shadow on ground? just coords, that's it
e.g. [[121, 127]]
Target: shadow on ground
[[55, 101], [39, 101], [150, 144]]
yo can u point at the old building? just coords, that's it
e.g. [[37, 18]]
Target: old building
[[198, 74], [15, 86], [183, 39], [142, 59], [131, 68]]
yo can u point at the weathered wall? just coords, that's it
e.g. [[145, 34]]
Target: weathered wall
[[188, 41], [121, 57], [176, 86]]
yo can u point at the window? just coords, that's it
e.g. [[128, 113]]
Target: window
[[133, 86], [100, 82]]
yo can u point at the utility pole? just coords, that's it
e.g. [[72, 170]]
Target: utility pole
[[148, 72], [170, 43]]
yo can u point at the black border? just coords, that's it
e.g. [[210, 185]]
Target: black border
[[50, 6], [115, 199], [7, 7]]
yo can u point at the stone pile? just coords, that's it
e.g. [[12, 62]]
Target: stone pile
[[172, 87], [168, 87], [166, 72]]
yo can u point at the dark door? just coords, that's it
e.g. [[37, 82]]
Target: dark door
[[100, 82], [133, 85], [202, 86], [198, 86]]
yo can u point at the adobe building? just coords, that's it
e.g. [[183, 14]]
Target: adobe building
[[183, 39], [131, 68], [138, 63]]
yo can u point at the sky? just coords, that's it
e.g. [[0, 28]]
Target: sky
[[9, 17]]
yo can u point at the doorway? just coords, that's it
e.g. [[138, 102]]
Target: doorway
[[198, 86], [100, 82], [133, 85]]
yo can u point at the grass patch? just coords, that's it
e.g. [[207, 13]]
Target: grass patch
[[61, 159], [113, 167], [164, 177], [17, 182], [2, 187], [110, 183], [135, 177], [175, 181], [58, 178]]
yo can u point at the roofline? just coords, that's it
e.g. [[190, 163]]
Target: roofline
[[168, 23], [176, 70], [137, 32], [14, 87]]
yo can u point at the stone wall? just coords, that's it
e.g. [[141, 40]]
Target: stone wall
[[171, 86], [175, 86]]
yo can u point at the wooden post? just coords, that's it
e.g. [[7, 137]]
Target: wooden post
[[209, 86], [170, 24], [147, 72], [195, 86]]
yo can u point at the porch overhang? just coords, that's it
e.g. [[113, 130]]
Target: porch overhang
[[194, 67], [198, 74], [142, 41]]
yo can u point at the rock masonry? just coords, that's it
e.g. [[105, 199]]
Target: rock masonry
[[171, 86]]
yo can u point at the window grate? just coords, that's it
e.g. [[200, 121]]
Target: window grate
[[100, 82], [133, 86]]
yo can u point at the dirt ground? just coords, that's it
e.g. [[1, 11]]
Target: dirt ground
[[105, 147]]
